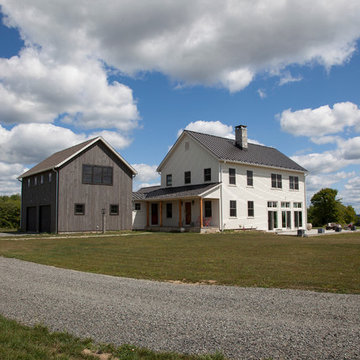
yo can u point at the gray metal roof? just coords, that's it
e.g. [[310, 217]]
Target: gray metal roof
[[61, 157], [160, 193], [225, 149]]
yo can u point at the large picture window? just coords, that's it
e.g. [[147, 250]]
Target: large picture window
[[97, 175]]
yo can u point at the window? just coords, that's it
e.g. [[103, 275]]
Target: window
[[35, 180], [250, 209], [276, 181], [187, 177], [298, 219], [29, 182], [207, 174], [232, 176], [294, 182], [250, 180], [114, 209], [285, 204], [50, 176], [272, 204], [208, 212], [41, 179], [232, 208], [286, 219], [169, 180], [79, 209], [169, 210], [298, 205], [137, 206], [97, 175]]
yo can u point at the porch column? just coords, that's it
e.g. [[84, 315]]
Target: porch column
[[147, 214], [201, 213], [180, 221], [161, 221]]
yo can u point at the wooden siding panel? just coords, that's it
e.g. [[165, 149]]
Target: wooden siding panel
[[95, 197]]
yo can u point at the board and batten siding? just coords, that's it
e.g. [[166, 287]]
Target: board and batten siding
[[189, 156], [260, 193], [95, 197]]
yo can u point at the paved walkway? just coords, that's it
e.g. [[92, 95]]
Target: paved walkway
[[243, 323]]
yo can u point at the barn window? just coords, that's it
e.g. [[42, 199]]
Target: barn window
[[137, 206], [97, 175], [79, 209], [114, 209]]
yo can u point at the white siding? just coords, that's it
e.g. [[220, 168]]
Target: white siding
[[260, 193], [194, 159]]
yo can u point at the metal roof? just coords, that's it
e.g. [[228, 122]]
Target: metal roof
[[224, 149], [61, 157], [160, 193]]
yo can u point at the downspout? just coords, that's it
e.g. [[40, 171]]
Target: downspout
[[56, 200], [305, 205], [221, 199], [21, 205]]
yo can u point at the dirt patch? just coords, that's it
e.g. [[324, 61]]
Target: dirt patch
[[102, 356]]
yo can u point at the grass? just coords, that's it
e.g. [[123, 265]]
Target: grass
[[328, 263], [37, 343]]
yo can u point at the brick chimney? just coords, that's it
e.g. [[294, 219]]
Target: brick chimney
[[241, 137]]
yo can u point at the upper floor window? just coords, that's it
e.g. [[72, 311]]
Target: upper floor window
[[249, 176], [41, 179], [35, 180], [207, 174], [285, 204], [114, 209], [29, 182], [232, 176], [97, 175], [276, 181], [250, 209], [168, 180], [294, 182], [232, 208], [187, 177], [298, 205], [50, 176]]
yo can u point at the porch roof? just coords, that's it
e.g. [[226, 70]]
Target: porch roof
[[168, 193]]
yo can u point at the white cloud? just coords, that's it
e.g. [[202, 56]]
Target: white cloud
[[350, 149], [193, 41], [36, 88], [350, 195], [262, 93], [8, 178], [146, 173], [210, 127], [321, 121], [286, 77]]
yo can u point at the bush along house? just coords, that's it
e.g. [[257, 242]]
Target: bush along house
[[214, 183], [86, 187]]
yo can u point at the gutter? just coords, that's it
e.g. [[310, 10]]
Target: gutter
[[56, 200], [21, 204]]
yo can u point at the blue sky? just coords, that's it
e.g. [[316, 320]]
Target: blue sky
[[138, 74]]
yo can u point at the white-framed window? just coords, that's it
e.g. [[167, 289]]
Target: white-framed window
[[285, 204], [297, 205], [272, 204], [251, 212], [286, 219], [298, 219], [250, 178], [187, 177], [294, 182], [233, 208], [276, 181], [232, 176], [207, 174], [169, 180]]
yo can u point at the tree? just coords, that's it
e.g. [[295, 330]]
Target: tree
[[349, 215], [325, 208], [10, 211]]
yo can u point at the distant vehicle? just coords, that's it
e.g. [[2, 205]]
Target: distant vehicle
[[333, 226]]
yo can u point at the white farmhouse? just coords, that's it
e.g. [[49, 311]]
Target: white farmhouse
[[214, 183]]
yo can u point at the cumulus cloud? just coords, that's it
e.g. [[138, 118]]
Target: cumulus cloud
[[350, 195], [286, 77], [17, 145], [222, 42], [8, 178], [210, 127], [146, 173], [321, 121]]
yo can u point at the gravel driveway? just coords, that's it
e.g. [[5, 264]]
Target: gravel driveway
[[243, 323]]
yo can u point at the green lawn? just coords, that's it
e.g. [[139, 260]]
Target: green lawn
[[327, 263], [18, 342]]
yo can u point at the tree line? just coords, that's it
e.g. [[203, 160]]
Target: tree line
[[326, 208], [10, 211]]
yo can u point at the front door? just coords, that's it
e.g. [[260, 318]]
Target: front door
[[45, 219], [154, 214], [188, 213], [272, 220], [31, 219]]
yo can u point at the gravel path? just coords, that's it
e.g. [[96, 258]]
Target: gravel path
[[243, 323]]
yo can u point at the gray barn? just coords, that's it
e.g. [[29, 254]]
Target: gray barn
[[86, 187]]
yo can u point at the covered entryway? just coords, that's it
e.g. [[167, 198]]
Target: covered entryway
[[154, 214], [187, 213]]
